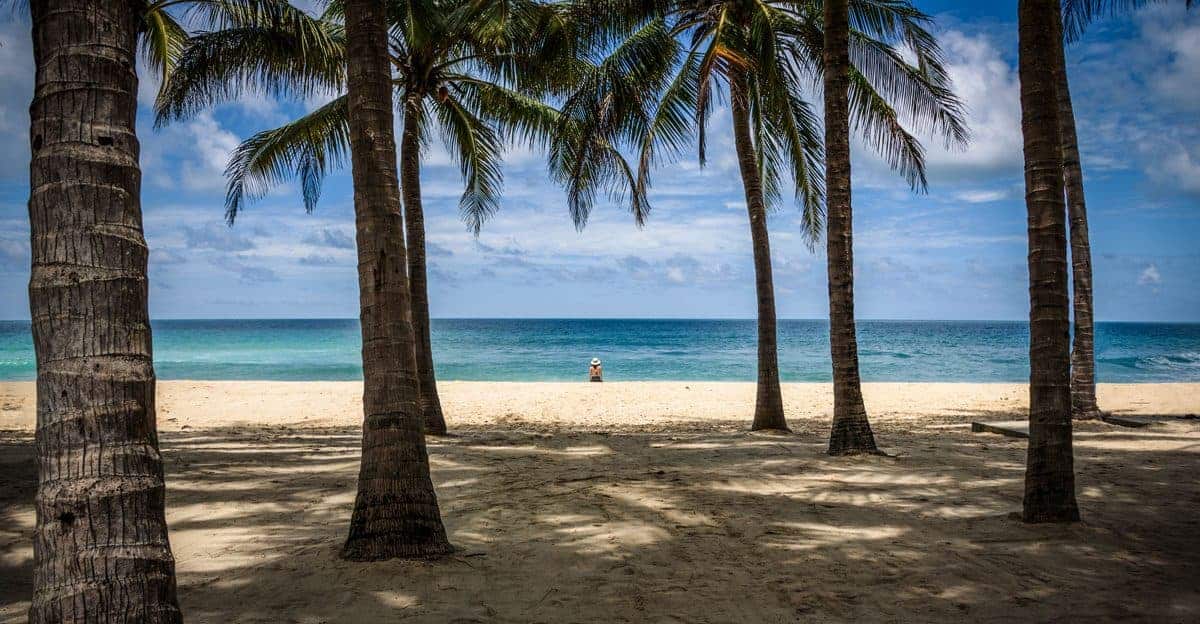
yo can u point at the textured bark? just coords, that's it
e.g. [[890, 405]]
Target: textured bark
[[396, 511], [100, 543], [1083, 351], [1049, 470], [768, 404], [851, 429], [418, 285]]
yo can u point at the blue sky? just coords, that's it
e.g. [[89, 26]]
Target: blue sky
[[956, 253]]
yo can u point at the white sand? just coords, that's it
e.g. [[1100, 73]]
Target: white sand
[[631, 502]]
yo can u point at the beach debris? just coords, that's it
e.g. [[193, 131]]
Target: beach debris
[[1134, 422], [1010, 428]]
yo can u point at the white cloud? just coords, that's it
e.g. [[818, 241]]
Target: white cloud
[[1138, 96], [1178, 165], [1150, 276], [980, 196], [191, 155], [14, 254], [1166, 30], [217, 237], [163, 257], [989, 88], [337, 238]]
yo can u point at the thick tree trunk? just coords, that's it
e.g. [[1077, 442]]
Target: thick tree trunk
[[1049, 470], [396, 511], [1083, 352], [418, 285], [768, 404], [851, 428], [100, 544]]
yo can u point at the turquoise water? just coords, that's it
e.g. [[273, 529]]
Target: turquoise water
[[558, 350]]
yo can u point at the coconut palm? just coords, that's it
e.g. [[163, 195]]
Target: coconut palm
[[1076, 15], [662, 67], [1083, 348], [467, 71], [396, 511], [851, 430], [101, 551], [1049, 471], [100, 544]]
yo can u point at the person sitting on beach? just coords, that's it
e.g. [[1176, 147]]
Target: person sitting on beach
[[595, 372]]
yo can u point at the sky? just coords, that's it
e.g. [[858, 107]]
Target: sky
[[957, 252]]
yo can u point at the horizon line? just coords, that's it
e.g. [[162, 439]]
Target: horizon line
[[621, 318]]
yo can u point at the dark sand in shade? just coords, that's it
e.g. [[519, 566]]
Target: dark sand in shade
[[649, 502]]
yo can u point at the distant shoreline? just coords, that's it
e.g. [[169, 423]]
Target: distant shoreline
[[715, 319], [619, 406], [552, 350]]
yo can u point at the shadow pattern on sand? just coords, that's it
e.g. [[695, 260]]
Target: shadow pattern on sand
[[705, 524]]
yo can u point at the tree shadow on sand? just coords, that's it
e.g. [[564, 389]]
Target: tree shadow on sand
[[704, 524]]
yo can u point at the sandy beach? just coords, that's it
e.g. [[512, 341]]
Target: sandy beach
[[646, 501]]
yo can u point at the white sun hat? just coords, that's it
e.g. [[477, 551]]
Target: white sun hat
[[595, 361]]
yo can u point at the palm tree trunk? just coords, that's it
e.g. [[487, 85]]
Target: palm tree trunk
[[396, 511], [1049, 469], [851, 429], [418, 284], [1083, 352], [100, 544], [768, 404]]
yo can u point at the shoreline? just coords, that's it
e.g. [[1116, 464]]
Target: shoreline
[[203, 380], [653, 406]]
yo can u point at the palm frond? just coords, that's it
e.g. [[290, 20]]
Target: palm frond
[[476, 147], [671, 126], [768, 149], [517, 117], [794, 125], [924, 100], [873, 111], [881, 129], [588, 165], [1077, 15], [604, 24], [162, 40], [307, 148], [611, 105], [267, 52]]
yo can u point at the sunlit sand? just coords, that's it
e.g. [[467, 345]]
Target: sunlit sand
[[632, 502]]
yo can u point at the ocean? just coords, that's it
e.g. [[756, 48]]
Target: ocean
[[693, 350]]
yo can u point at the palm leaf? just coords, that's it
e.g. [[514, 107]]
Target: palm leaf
[[477, 148], [307, 148], [255, 51], [1077, 15], [162, 40], [881, 129], [671, 126]]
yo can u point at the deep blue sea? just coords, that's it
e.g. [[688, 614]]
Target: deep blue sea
[[559, 350]]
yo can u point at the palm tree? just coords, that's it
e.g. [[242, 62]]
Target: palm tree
[[653, 90], [851, 431], [1077, 14], [1083, 349], [396, 511], [467, 70], [101, 551], [1049, 471]]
